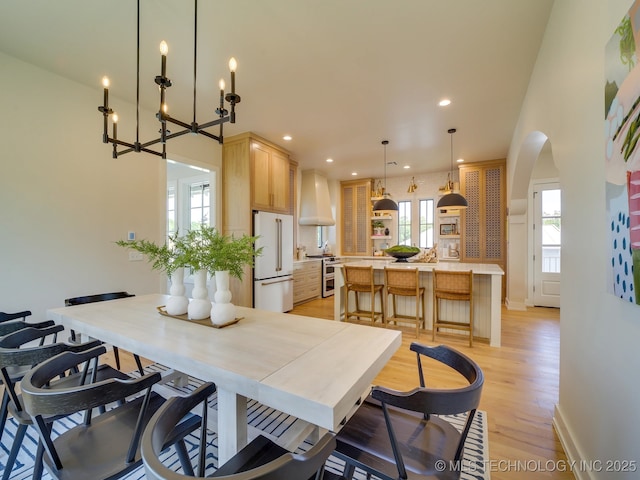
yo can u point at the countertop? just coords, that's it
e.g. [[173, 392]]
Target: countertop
[[379, 264], [307, 260]]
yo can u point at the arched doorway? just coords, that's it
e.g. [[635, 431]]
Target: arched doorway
[[534, 173]]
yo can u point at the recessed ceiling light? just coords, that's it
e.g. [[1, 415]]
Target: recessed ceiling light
[[444, 102], [354, 173], [329, 160], [287, 137], [407, 167], [460, 160]]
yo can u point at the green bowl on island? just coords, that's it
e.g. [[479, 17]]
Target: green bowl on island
[[402, 252]]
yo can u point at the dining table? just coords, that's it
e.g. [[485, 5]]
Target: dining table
[[314, 369]]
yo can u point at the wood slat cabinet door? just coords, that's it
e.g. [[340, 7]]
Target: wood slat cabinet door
[[270, 179], [483, 222], [356, 217]]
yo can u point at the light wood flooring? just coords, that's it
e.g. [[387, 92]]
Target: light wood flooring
[[520, 391]]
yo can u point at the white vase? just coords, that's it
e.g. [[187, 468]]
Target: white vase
[[200, 305], [178, 301], [222, 311]]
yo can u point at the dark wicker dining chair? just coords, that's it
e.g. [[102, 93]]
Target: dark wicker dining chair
[[261, 459], [103, 297], [400, 434], [105, 445], [5, 317], [16, 374], [18, 354]]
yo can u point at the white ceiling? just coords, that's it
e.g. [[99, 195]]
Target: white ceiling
[[337, 75]]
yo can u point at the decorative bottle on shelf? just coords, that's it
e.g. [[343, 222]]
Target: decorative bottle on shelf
[[386, 232]]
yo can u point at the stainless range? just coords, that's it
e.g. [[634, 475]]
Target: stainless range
[[328, 275]]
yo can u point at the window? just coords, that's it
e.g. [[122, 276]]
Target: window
[[190, 198], [171, 208], [551, 219], [199, 211], [404, 223], [320, 237], [426, 223]]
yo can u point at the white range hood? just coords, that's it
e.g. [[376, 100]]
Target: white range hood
[[315, 204]]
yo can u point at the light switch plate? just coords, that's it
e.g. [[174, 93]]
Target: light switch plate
[[135, 257]]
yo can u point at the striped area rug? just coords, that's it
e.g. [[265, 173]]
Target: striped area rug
[[270, 422]]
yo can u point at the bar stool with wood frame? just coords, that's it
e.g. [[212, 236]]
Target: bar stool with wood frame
[[359, 279], [404, 282], [456, 286]]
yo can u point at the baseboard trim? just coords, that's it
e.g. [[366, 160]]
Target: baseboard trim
[[516, 306], [571, 449]]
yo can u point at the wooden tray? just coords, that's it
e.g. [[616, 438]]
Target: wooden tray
[[205, 321]]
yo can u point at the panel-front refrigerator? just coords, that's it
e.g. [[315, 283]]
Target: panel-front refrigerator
[[273, 271]]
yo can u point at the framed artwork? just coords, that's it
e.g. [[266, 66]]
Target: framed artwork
[[447, 229], [622, 157]]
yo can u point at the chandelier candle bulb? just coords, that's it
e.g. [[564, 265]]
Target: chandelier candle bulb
[[115, 126], [164, 49], [233, 64], [105, 84], [221, 84]]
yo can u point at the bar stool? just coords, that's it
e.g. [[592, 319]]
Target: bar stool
[[359, 279], [404, 282], [456, 286]]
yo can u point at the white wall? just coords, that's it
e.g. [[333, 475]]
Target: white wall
[[64, 200], [597, 415]]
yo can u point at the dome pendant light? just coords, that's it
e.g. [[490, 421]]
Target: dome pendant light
[[385, 203], [452, 200]]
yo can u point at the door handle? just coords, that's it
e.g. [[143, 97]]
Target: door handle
[[264, 284]]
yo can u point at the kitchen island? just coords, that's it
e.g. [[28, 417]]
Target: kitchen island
[[487, 288]]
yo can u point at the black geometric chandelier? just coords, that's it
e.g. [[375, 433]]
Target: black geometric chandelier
[[223, 115]]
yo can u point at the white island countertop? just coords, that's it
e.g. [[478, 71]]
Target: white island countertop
[[478, 268]]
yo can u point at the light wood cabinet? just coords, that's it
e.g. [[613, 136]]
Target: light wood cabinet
[[356, 217], [307, 281], [256, 175], [483, 223], [270, 178]]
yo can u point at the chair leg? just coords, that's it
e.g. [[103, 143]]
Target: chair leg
[[15, 448], [373, 307], [37, 465], [470, 323], [116, 354], [417, 317], [5, 411], [183, 456], [139, 364], [434, 327]]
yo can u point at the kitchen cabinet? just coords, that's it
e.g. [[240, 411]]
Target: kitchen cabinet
[[307, 281], [270, 178], [483, 222], [256, 175], [355, 199], [266, 171]]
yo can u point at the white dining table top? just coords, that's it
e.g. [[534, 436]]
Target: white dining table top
[[311, 368]]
